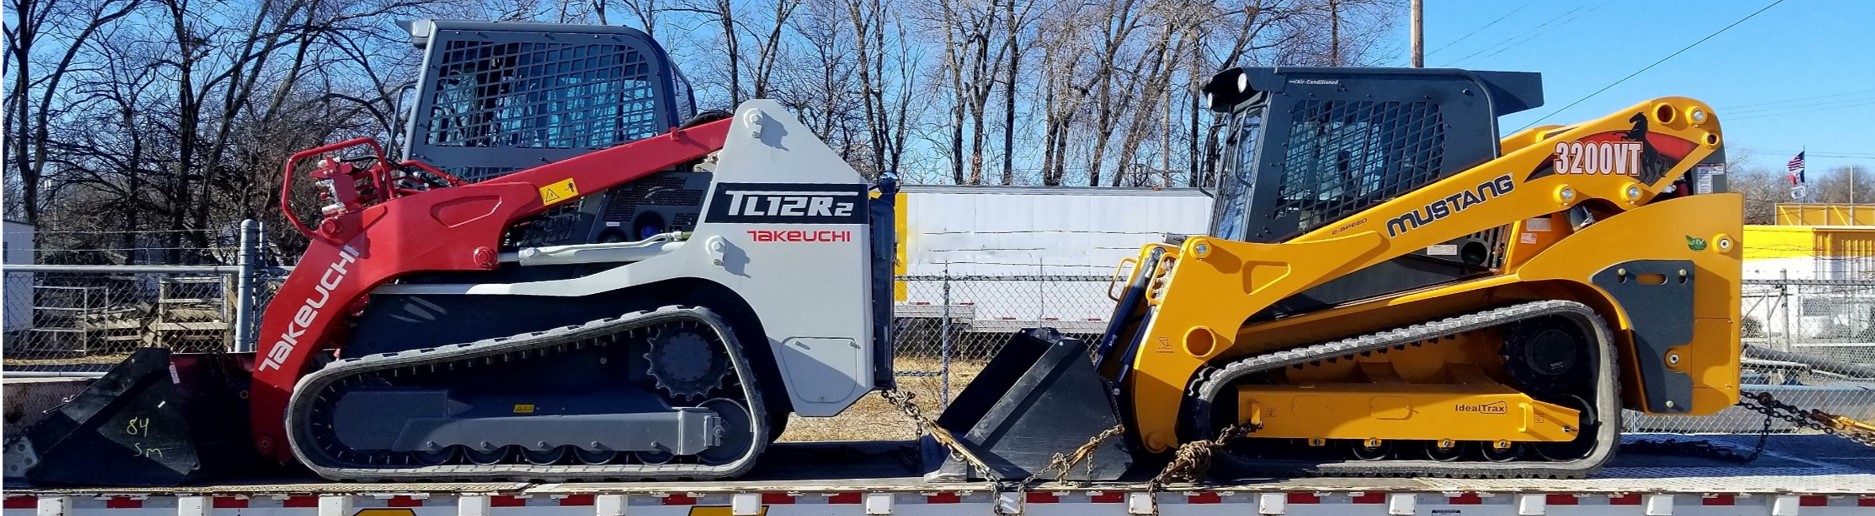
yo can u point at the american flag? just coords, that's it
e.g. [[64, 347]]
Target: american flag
[[1796, 168]]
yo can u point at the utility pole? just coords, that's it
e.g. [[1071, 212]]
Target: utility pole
[[1419, 33]]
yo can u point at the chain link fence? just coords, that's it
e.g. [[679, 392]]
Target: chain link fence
[[1809, 342], [65, 318], [85, 321]]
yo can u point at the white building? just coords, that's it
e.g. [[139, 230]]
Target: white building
[[996, 243], [1809, 282]]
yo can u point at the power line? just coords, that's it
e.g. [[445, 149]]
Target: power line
[[1513, 40], [1811, 109], [1800, 105], [1755, 105], [1754, 14], [1474, 32], [1534, 34], [1819, 154]]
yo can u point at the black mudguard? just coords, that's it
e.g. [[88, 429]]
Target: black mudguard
[[151, 421]]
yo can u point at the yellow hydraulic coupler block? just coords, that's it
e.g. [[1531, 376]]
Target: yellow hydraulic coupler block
[[1467, 412]]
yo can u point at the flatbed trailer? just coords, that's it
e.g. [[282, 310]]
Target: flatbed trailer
[[1796, 475]]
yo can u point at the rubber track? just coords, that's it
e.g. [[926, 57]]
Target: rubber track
[[1212, 383], [299, 409]]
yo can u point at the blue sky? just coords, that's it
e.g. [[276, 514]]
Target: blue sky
[[1800, 74]]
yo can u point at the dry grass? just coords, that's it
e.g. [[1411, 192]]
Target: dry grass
[[109, 358], [872, 418]]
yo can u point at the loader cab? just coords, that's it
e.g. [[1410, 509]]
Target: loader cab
[[494, 98], [1308, 148]]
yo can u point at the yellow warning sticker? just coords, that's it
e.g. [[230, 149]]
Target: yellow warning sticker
[[558, 192], [524, 408]]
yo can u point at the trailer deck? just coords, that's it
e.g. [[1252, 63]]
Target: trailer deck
[[1799, 464], [1797, 474]]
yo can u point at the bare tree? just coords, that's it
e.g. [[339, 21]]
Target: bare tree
[[176, 115], [33, 94]]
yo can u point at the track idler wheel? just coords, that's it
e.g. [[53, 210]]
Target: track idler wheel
[[586, 456], [653, 457], [1445, 451], [1501, 451], [434, 458], [738, 433], [1585, 435], [1372, 449], [544, 457], [486, 456]]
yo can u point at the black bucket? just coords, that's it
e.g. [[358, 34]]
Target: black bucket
[[1039, 397], [150, 422]]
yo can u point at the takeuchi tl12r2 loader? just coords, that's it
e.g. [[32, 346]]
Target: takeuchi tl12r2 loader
[[1387, 288]]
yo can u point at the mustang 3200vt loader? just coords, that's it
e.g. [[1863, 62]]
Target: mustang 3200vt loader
[[1388, 288]]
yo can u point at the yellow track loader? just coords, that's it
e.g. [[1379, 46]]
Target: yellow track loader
[[1389, 288]]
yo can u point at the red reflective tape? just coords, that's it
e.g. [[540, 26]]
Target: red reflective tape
[[1043, 497], [1561, 499], [228, 502], [945, 497], [1627, 499], [1465, 499], [300, 501], [1204, 498], [847, 498], [578, 500], [1304, 498], [1108, 497], [506, 501], [403, 501], [777, 499], [1369, 498], [1866, 501], [680, 499], [1813, 501], [22, 502], [123, 502], [1724, 499]]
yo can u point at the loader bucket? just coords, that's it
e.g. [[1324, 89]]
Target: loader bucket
[[1039, 397], [151, 421]]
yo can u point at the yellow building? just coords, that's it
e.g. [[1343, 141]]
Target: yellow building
[[1810, 251], [1817, 276], [1822, 214]]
